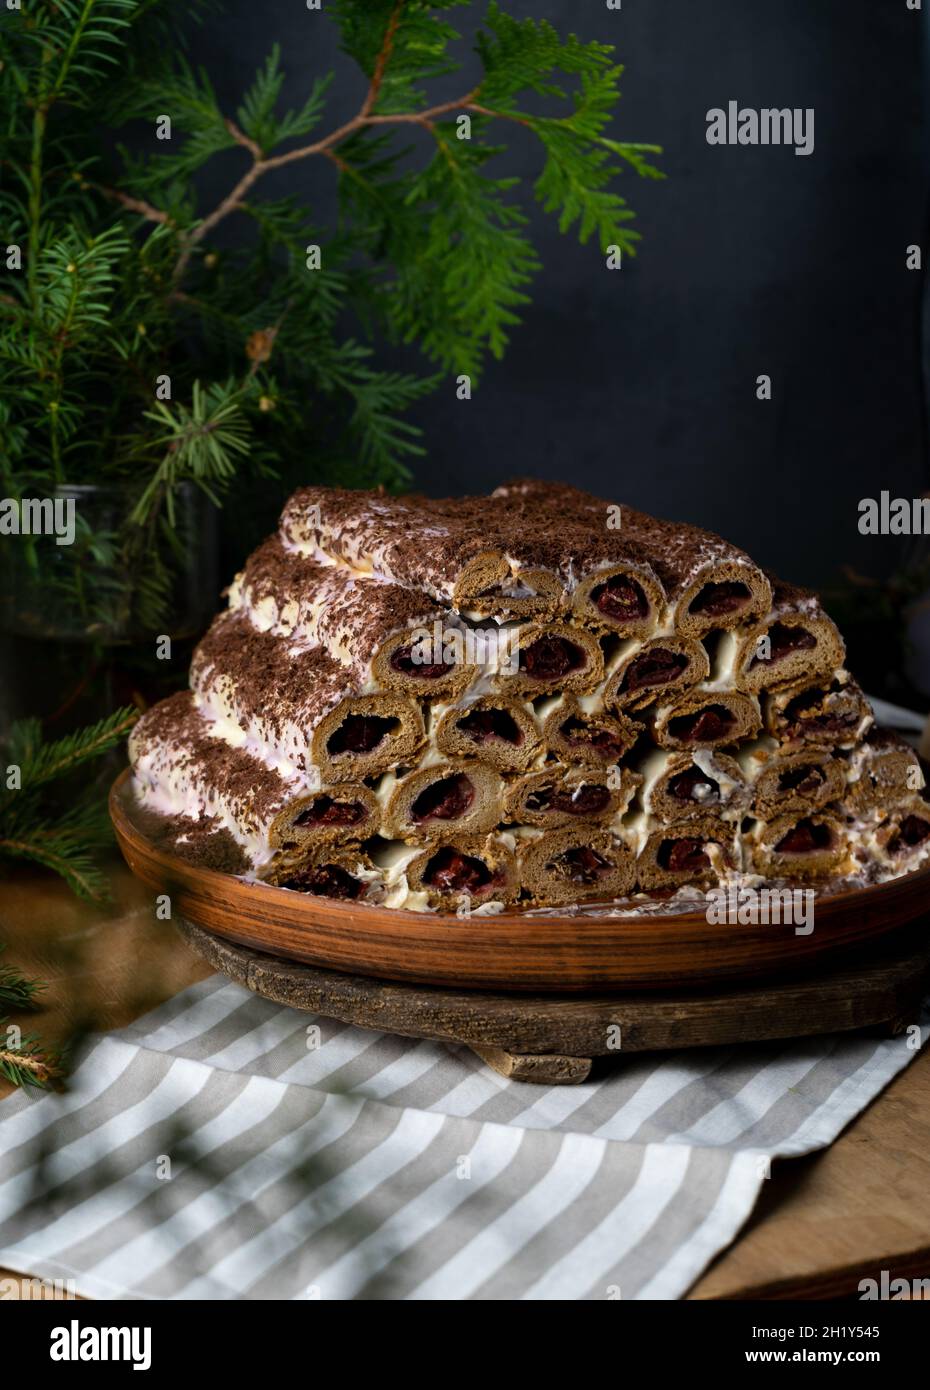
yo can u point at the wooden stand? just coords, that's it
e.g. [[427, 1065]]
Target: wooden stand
[[553, 1040]]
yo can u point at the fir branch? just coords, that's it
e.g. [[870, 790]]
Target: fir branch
[[25, 1063], [16, 992], [65, 853], [41, 763], [517, 56], [199, 442], [28, 1064], [34, 827]]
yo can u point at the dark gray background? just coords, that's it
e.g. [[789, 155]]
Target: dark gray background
[[640, 384]]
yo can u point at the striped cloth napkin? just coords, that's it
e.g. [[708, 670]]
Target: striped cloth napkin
[[225, 1147]]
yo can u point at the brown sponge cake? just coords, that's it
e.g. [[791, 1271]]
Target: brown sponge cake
[[795, 641], [798, 846], [491, 728], [557, 795], [706, 718], [444, 799], [538, 698], [296, 705], [643, 672], [573, 865]]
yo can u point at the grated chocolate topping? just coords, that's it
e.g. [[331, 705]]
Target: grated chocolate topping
[[174, 735], [256, 678], [425, 543]]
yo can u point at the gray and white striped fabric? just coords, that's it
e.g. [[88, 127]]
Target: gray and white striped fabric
[[217, 1149]]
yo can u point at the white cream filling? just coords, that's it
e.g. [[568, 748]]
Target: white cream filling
[[723, 673], [754, 757], [704, 759]]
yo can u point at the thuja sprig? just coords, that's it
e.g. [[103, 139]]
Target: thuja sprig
[[124, 283], [450, 205]]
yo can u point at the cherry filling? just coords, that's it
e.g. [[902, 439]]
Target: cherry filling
[[706, 726], [805, 838], [446, 799], [550, 658], [620, 598], [403, 662], [685, 856], [911, 832], [693, 785], [827, 723], [800, 717], [585, 800], [487, 725], [452, 872], [581, 865], [656, 667], [360, 733], [325, 811], [802, 779], [327, 881], [783, 641], [716, 599], [581, 735]]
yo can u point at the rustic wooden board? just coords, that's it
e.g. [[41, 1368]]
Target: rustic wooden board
[[556, 953], [553, 1041]]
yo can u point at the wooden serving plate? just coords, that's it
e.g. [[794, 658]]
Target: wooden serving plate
[[512, 951]]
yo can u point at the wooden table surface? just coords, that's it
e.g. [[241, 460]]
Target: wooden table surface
[[822, 1223]]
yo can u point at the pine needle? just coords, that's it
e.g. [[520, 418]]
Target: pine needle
[[32, 824], [16, 992], [27, 1064]]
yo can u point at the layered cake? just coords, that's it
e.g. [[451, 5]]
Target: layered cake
[[531, 699]]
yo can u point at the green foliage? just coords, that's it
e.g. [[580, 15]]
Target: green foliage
[[32, 824], [257, 115], [417, 48], [17, 992], [271, 356], [28, 1063], [24, 1062]]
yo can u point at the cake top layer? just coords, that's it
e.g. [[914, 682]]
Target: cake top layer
[[426, 543], [676, 550], [310, 602]]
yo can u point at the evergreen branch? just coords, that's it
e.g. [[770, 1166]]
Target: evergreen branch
[[23, 1064], [235, 198], [242, 139], [41, 763], [438, 256], [196, 442], [382, 59], [58, 853], [263, 164], [516, 55], [16, 992], [36, 830], [139, 205], [27, 1064]]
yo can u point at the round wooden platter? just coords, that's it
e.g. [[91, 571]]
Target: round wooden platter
[[553, 1040], [557, 952]]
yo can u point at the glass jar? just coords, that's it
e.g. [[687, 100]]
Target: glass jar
[[76, 582]]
